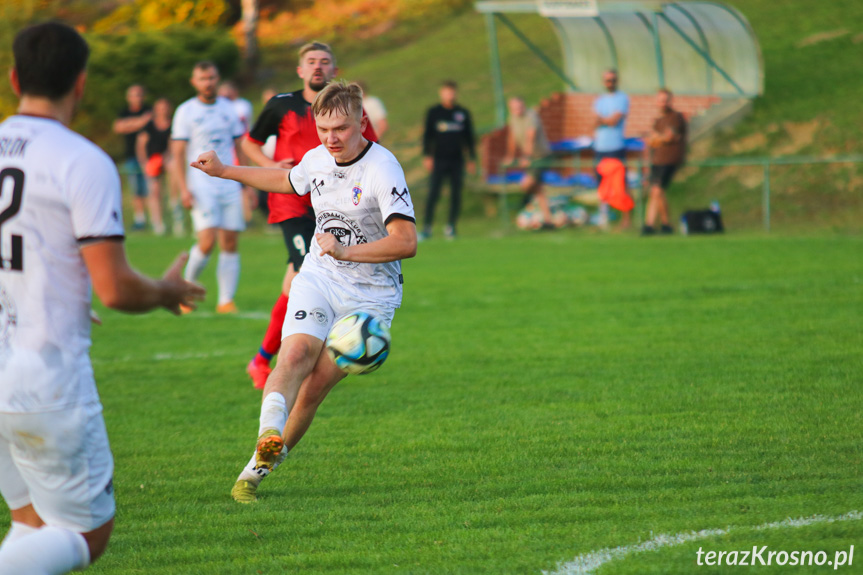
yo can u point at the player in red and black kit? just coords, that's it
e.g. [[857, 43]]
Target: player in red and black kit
[[289, 118]]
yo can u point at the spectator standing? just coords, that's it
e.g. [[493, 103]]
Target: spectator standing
[[609, 142], [448, 134], [130, 121], [667, 144], [243, 108], [152, 152], [527, 147], [376, 112]]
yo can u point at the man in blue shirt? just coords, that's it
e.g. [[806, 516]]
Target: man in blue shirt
[[611, 110]]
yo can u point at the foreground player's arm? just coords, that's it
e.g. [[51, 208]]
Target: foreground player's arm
[[274, 180], [401, 243], [122, 288]]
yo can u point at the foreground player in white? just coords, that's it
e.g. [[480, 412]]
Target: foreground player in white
[[209, 122], [365, 224], [61, 230]]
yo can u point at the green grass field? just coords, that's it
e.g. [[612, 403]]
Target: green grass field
[[548, 395]]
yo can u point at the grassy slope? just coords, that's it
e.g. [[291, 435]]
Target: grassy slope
[[508, 431], [816, 83]]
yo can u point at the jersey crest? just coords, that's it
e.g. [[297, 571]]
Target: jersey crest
[[356, 194]]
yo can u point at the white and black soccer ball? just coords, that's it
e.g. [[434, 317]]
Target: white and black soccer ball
[[359, 343]]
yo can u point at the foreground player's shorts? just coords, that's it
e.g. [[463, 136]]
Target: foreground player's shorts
[[316, 303], [59, 461], [221, 210]]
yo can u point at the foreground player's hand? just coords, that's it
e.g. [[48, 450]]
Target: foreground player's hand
[[180, 291], [210, 164], [330, 246]]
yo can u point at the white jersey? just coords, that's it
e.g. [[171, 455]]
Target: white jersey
[[243, 109], [208, 127], [57, 191], [354, 202]]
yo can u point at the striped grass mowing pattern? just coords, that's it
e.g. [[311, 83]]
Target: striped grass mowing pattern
[[546, 396]]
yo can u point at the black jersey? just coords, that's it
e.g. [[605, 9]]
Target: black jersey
[[448, 133]]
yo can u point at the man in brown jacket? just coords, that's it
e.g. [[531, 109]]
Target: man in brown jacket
[[667, 143]]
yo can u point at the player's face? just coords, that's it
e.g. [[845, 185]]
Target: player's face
[[342, 135], [205, 81], [663, 100], [317, 69], [610, 81]]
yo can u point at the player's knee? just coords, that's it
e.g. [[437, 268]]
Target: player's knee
[[295, 354], [97, 540]]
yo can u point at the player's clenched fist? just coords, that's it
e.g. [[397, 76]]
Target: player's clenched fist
[[330, 245], [209, 163]]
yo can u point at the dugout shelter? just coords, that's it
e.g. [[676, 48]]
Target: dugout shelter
[[705, 52]]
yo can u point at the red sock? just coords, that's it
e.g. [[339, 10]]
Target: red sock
[[273, 338]]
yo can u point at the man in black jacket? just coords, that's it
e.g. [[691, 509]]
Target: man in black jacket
[[448, 133]]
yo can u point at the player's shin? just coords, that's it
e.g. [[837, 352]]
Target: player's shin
[[228, 276], [196, 264]]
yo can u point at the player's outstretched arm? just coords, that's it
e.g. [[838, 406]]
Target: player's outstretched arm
[[401, 243], [274, 180], [122, 288]]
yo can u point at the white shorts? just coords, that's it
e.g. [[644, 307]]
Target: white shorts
[[222, 210], [59, 461], [316, 303]]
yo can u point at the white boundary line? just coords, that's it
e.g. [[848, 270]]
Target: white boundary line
[[168, 356], [587, 563]]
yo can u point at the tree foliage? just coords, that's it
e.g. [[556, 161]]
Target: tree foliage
[[161, 61], [162, 14]]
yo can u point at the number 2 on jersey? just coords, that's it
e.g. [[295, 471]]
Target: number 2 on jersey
[[15, 260]]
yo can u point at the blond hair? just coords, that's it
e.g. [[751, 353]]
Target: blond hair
[[313, 46], [339, 97]]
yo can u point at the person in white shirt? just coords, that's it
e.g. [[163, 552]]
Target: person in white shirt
[[62, 234], [208, 122], [365, 225], [243, 108], [376, 111]]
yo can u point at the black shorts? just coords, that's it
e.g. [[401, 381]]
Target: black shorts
[[661, 175], [298, 233]]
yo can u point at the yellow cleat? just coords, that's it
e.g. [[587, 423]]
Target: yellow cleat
[[244, 492]]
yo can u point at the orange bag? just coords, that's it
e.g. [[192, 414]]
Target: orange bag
[[612, 186], [155, 166]]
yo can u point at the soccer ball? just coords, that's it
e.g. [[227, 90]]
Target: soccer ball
[[359, 343]]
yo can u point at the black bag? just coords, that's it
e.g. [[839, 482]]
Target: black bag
[[701, 222]]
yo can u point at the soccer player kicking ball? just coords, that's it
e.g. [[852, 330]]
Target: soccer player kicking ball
[[62, 233], [364, 226]]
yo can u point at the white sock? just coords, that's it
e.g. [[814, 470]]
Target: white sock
[[196, 264], [48, 551], [254, 475], [17, 531], [228, 275], [274, 412]]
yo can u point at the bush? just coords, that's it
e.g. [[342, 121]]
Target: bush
[[161, 61]]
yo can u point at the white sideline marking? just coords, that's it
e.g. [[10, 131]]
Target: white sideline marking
[[589, 562], [199, 314], [167, 356]]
